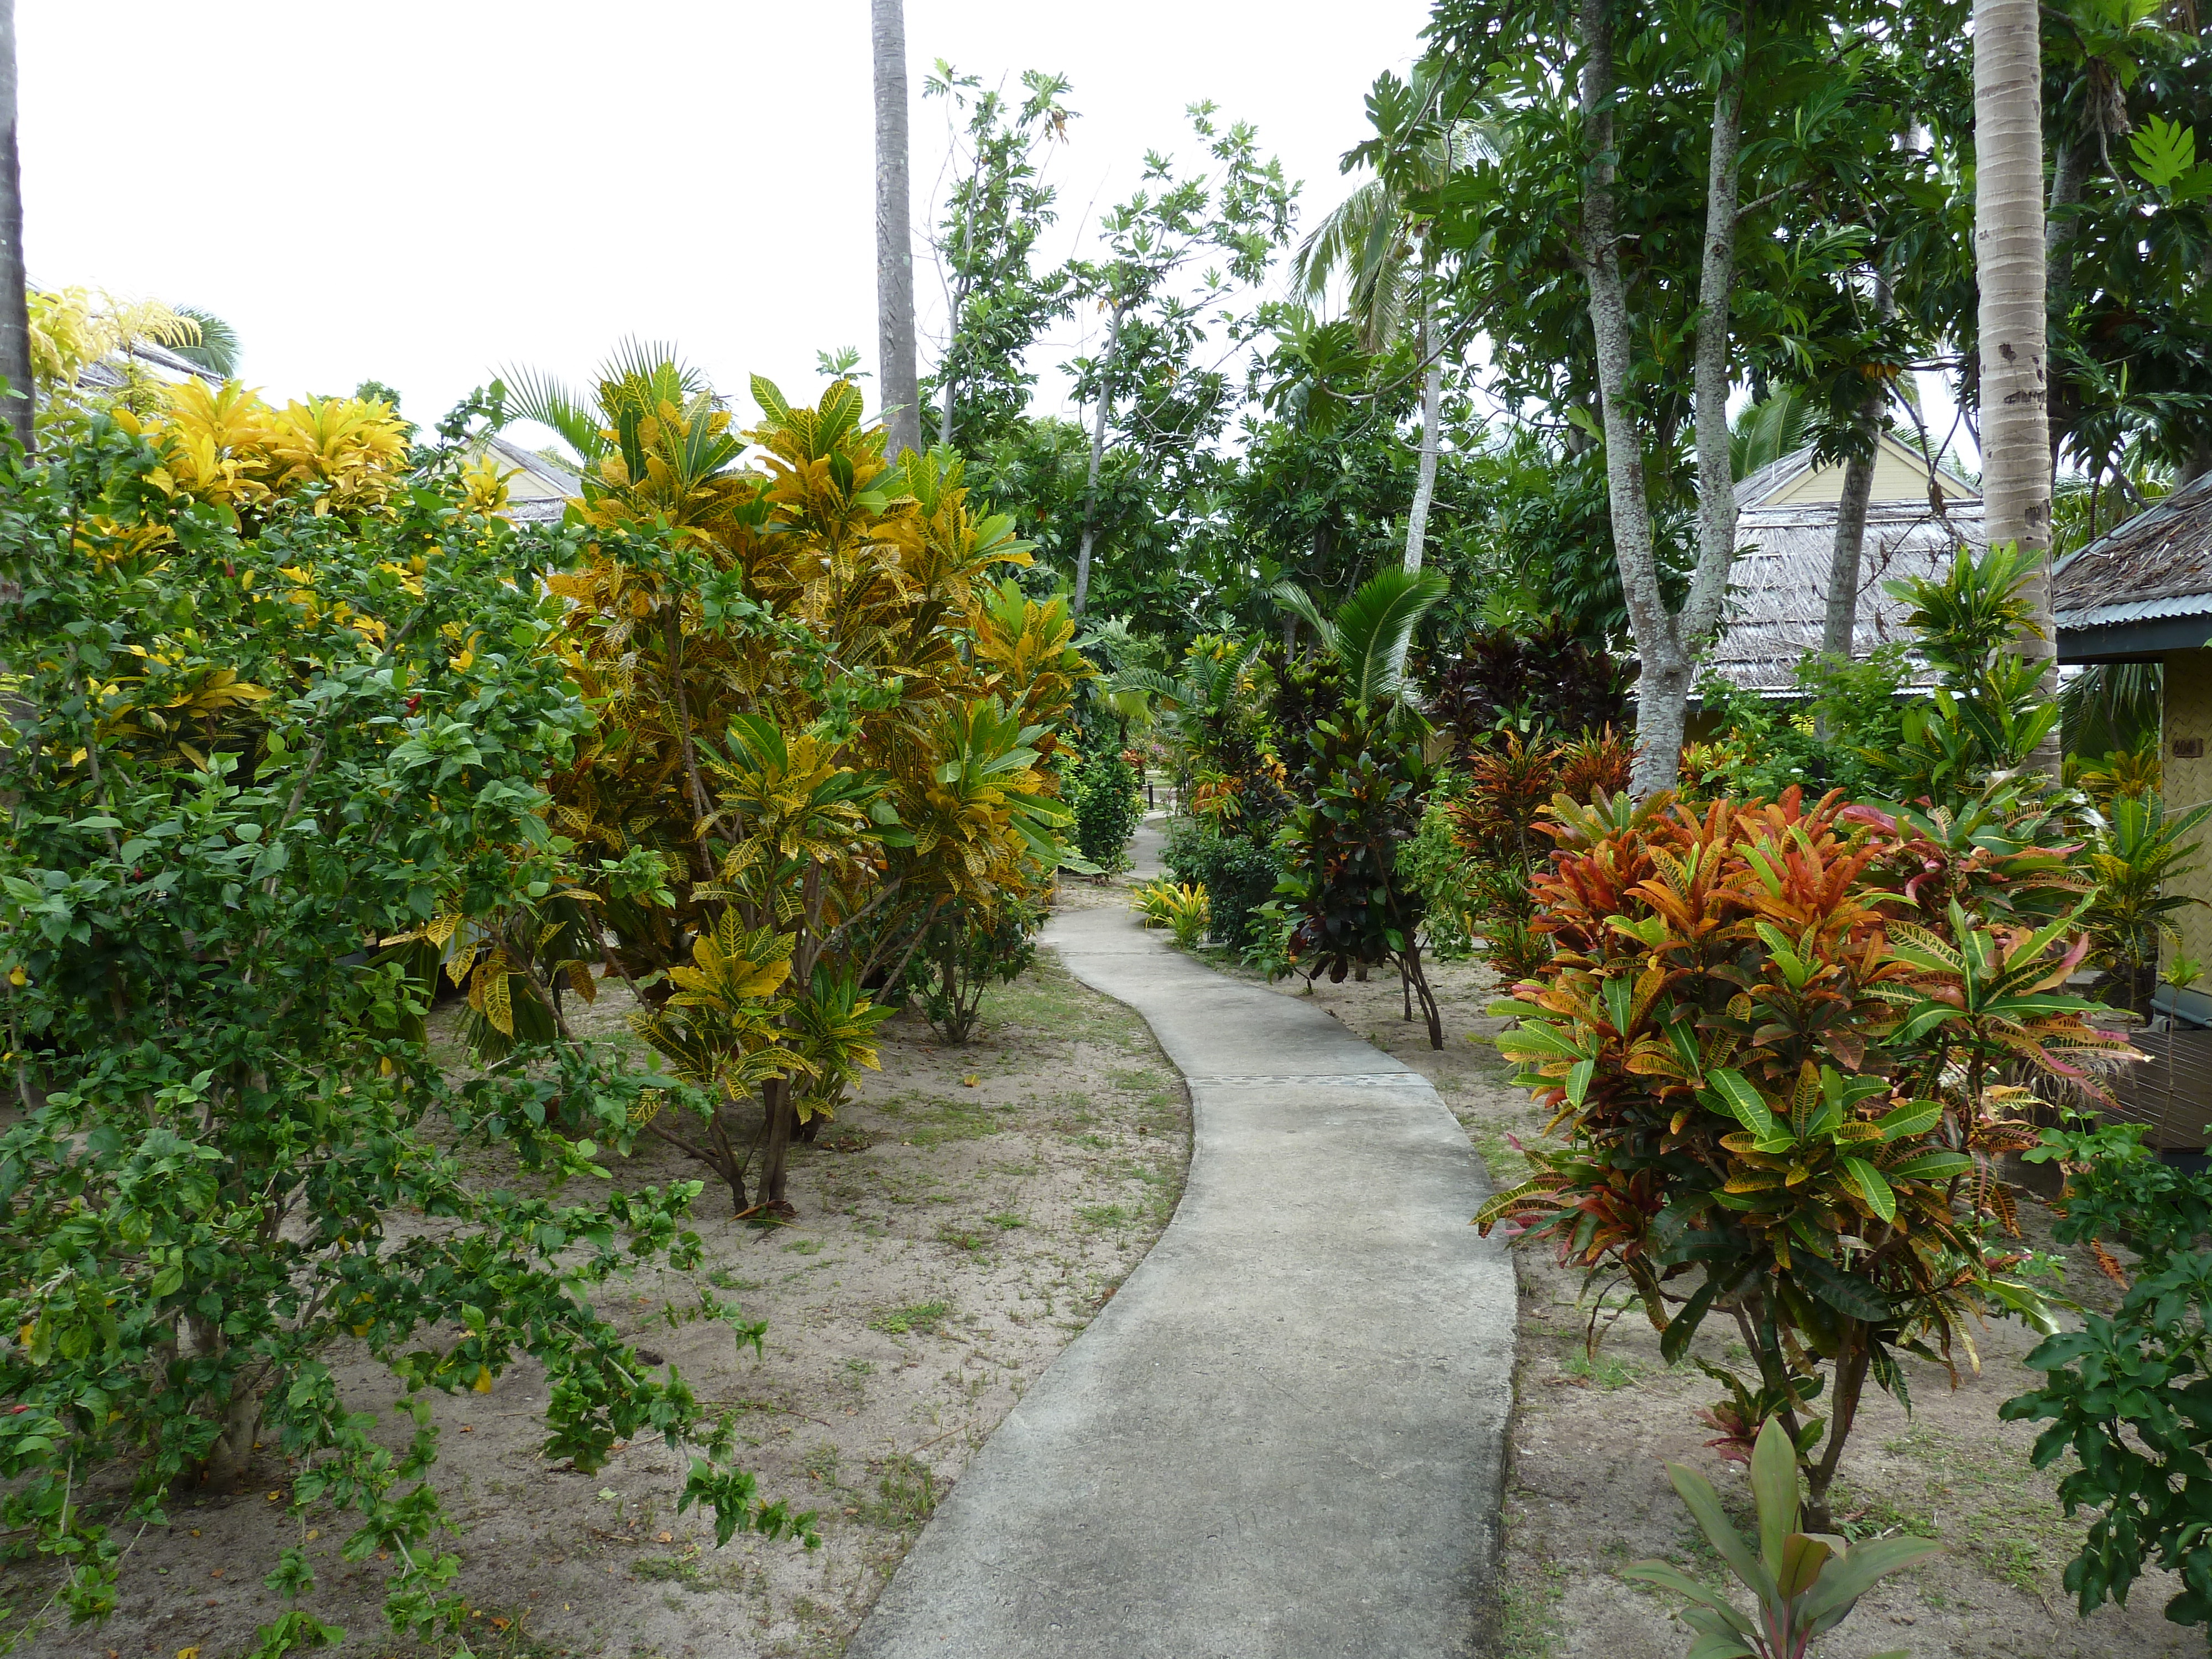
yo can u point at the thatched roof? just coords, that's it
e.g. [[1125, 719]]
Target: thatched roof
[[1786, 541], [2143, 588]]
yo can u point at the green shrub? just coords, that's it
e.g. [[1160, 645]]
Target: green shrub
[[236, 760], [1183, 910], [964, 953], [1440, 869], [2126, 1395], [1238, 877], [1109, 804], [1354, 905]]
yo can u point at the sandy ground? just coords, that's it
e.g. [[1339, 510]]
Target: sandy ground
[[958, 1224], [1586, 1485]]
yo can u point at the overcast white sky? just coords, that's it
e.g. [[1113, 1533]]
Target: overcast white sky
[[422, 190]]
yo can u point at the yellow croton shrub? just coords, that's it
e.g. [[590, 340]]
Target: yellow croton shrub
[[824, 715]]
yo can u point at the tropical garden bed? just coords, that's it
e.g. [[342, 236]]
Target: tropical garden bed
[[962, 1218], [1586, 1485]]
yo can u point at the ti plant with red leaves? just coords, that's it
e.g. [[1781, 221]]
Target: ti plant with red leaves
[[1775, 1103]]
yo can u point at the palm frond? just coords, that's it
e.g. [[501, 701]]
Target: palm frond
[[217, 350], [1765, 431], [533, 395], [1374, 629], [1288, 596]]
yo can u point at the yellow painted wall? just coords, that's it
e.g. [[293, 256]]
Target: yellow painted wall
[[2186, 783], [1899, 475]]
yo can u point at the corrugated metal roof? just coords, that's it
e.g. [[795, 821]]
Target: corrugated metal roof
[[2109, 616], [2161, 556]]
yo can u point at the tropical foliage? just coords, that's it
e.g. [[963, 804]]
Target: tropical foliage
[[1803, 1586], [819, 724], [248, 754]]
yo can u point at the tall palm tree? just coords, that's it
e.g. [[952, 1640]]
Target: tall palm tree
[[1375, 243], [895, 233], [2009, 260], [15, 299]]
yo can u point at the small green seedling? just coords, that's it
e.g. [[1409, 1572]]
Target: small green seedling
[[1806, 1583]]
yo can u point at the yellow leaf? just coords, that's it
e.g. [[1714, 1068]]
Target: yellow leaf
[[497, 1007], [188, 1653], [483, 1384]]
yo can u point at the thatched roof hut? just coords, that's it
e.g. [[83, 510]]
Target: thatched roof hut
[[1786, 536], [2143, 589]]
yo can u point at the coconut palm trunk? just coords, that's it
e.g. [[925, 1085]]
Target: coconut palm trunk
[[1100, 416], [895, 232], [2010, 256], [1432, 400], [15, 308]]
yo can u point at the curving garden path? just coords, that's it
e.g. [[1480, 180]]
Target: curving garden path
[[1284, 1437]]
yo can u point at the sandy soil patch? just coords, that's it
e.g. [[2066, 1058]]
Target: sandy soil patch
[[959, 1224]]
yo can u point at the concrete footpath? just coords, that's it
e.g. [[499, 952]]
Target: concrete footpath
[[1284, 1437]]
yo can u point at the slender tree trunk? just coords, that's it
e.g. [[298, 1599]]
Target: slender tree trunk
[[1840, 624], [1701, 610], [1097, 456], [1631, 508], [1432, 398], [2010, 264], [775, 1154], [894, 233], [15, 311], [1667, 642], [2069, 177]]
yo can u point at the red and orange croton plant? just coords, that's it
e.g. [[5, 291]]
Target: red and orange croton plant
[[1779, 1099]]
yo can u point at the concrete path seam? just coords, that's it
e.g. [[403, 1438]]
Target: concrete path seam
[[1284, 1436]]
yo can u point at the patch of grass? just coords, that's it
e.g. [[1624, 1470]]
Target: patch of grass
[[1529, 1624], [504, 1634], [906, 1494], [1099, 1217], [923, 1317], [1602, 1372], [804, 1247], [667, 1569], [951, 1121], [961, 1238], [1991, 1498], [861, 1367], [1005, 1221], [723, 1280]]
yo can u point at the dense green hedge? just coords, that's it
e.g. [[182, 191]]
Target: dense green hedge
[[1237, 876]]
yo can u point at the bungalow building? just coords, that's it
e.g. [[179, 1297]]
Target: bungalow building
[[1786, 512], [2143, 594]]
